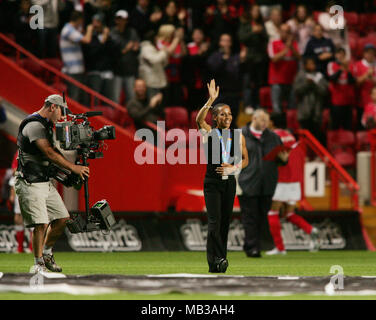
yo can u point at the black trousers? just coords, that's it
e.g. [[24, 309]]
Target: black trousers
[[254, 210], [219, 200], [341, 117]]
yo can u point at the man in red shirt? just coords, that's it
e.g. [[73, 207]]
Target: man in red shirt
[[342, 91], [288, 190], [284, 55], [365, 74], [369, 115]]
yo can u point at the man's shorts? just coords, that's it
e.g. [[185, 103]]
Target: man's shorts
[[40, 202], [288, 192]]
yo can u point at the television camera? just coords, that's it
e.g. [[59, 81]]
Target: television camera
[[78, 134]]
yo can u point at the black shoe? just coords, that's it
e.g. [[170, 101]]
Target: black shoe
[[50, 263], [220, 266], [253, 254]]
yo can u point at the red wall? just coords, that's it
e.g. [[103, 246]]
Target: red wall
[[126, 185]]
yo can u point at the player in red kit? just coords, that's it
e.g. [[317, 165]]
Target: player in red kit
[[18, 221], [288, 191]]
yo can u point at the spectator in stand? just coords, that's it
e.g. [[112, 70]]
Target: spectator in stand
[[195, 69], [273, 25], [365, 74], [25, 36], [71, 52], [152, 62], [219, 19], [339, 35], [369, 115], [142, 108], [284, 55], [341, 88], [301, 25], [126, 63], [321, 48], [174, 91], [225, 67], [171, 15], [310, 88], [142, 17], [253, 36], [98, 55], [103, 7], [266, 6], [48, 35]]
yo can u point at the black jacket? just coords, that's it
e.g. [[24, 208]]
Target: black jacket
[[260, 177]]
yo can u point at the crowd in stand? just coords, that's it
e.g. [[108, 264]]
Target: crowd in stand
[[148, 55]]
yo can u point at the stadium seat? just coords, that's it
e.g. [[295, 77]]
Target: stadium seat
[[54, 62], [292, 120], [176, 117], [59, 86], [340, 138], [363, 23], [362, 141], [341, 145], [265, 98], [316, 15], [353, 43], [371, 21], [33, 67], [345, 157], [352, 20], [193, 119]]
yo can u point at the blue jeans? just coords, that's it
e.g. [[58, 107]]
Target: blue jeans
[[280, 93], [126, 83]]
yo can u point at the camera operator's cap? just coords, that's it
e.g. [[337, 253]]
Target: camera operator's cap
[[58, 100], [121, 14], [369, 46]]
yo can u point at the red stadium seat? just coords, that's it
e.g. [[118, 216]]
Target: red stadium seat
[[345, 158], [362, 141], [33, 67], [265, 98], [292, 120], [193, 119], [59, 86], [340, 138], [54, 62], [352, 20], [316, 15], [371, 21], [353, 42], [176, 117], [341, 145]]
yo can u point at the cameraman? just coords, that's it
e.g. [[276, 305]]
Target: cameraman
[[41, 204]]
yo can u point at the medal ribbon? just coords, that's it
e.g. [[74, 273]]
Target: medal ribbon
[[225, 150]]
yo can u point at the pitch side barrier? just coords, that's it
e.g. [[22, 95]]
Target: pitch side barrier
[[339, 230]]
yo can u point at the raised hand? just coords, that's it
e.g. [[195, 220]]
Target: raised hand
[[213, 90]]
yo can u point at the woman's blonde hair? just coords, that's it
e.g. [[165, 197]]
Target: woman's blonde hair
[[166, 31]]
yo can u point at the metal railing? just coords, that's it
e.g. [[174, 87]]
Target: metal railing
[[337, 172]]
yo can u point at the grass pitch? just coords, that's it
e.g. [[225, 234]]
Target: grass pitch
[[354, 263]]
